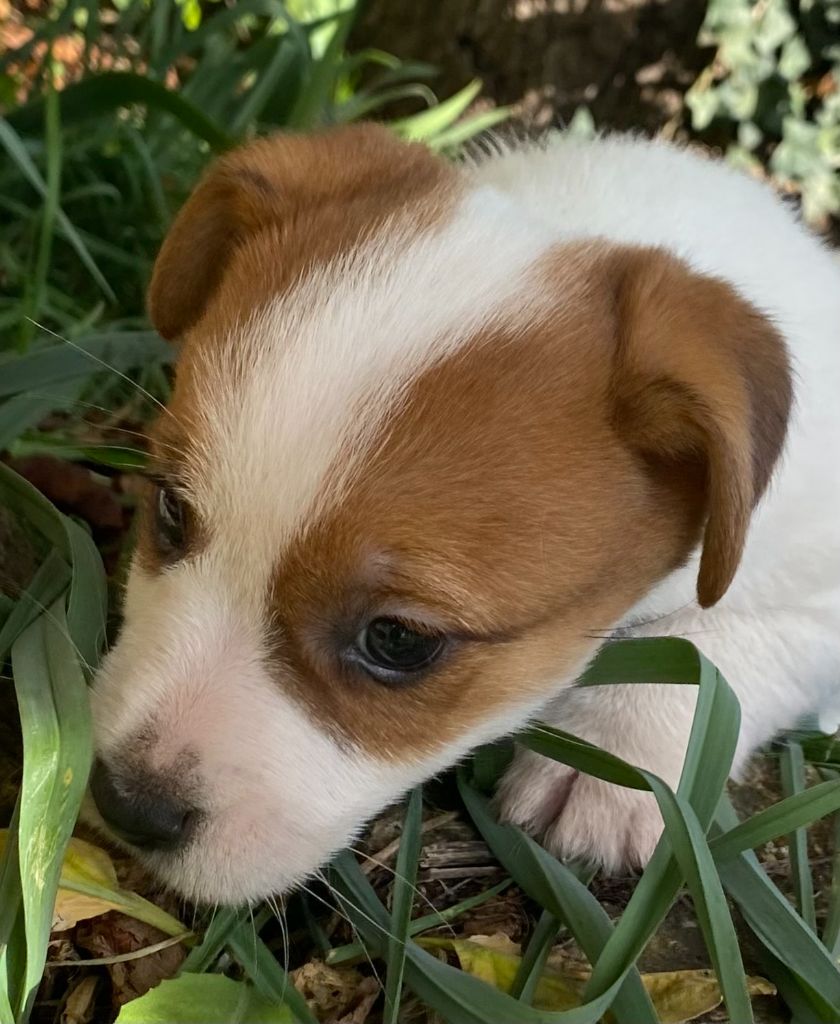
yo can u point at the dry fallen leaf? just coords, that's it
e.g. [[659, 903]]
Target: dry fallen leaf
[[79, 1006], [117, 934], [679, 996], [334, 993]]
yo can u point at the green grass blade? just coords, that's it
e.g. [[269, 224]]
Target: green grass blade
[[49, 211], [438, 919], [785, 816], [454, 137], [646, 660], [458, 997], [55, 720], [51, 579], [792, 769], [24, 411], [831, 930], [269, 978], [205, 953], [106, 92], [314, 104], [283, 62], [777, 925], [87, 597], [403, 903], [14, 146], [433, 122], [688, 841], [534, 958], [708, 758], [556, 889], [117, 352]]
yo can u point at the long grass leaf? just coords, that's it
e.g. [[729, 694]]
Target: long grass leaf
[[557, 889], [792, 769], [14, 146], [534, 958], [53, 146], [109, 91], [54, 713], [777, 925], [403, 902], [785, 816]]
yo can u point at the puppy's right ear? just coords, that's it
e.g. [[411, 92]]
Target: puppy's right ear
[[230, 202]]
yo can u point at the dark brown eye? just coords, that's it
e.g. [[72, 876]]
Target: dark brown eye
[[170, 521], [391, 650]]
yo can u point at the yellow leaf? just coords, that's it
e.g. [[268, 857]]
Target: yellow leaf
[[88, 867], [84, 863], [679, 996]]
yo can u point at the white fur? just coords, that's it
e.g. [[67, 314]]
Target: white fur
[[318, 372], [776, 633], [278, 793]]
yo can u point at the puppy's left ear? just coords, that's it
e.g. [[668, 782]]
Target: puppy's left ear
[[701, 378]]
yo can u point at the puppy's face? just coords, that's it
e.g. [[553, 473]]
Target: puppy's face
[[417, 459]]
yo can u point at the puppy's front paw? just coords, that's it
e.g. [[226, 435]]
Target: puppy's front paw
[[578, 817]]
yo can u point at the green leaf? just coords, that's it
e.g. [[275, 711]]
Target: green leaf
[[52, 144], [785, 816], [792, 767], [268, 976], [57, 752], [430, 123], [403, 902], [556, 889], [203, 999], [116, 352], [107, 92], [807, 963], [10, 140]]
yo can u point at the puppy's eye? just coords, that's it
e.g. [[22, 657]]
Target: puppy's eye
[[170, 521], [391, 649]]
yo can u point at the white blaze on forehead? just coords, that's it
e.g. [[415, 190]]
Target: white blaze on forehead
[[295, 398]]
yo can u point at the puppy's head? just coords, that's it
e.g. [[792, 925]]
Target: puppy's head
[[417, 457]]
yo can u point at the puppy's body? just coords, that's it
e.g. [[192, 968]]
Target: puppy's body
[[507, 407], [774, 635]]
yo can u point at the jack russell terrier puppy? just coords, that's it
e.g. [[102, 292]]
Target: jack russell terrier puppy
[[437, 430]]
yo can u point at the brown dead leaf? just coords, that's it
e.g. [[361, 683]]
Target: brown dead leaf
[[334, 994], [115, 934], [366, 994], [80, 1004]]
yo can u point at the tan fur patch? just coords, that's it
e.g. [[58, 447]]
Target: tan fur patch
[[267, 212], [531, 490]]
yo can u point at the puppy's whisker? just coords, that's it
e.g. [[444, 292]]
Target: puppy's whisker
[[107, 366], [352, 924], [349, 903], [396, 874]]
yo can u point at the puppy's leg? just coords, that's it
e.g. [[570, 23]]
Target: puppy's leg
[[781, 665], [577, 816]]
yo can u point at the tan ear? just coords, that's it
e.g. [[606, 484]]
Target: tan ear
[[274, 182], [702, 379]]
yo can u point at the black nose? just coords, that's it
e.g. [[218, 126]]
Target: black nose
[[139, 811]]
